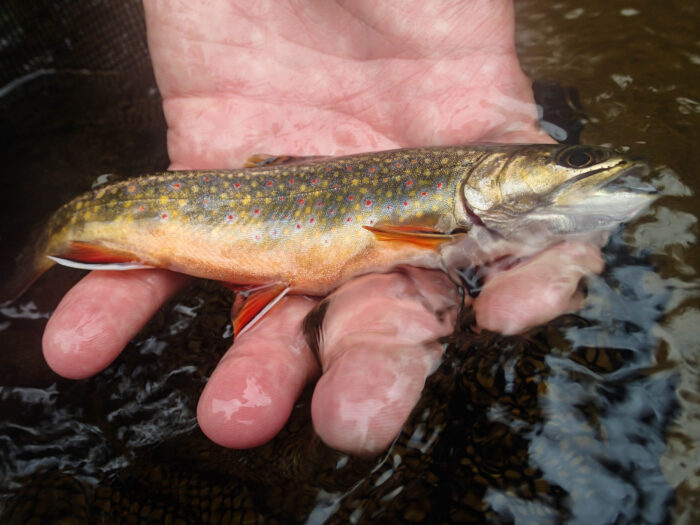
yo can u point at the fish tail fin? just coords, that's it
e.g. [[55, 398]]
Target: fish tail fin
[[28, 267]]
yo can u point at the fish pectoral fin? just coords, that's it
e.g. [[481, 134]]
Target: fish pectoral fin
[[420, 235], [88, 256], [259, 301], [260, 160]]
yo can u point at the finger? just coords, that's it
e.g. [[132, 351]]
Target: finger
[[379, 343], [250, 395], [537, 291], [97, 318]]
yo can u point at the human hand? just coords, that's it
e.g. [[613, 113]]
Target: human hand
[[327, 78]]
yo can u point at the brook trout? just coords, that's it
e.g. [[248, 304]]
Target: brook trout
[[306, 225]]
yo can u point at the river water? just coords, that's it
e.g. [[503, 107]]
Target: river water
[[594, 418]]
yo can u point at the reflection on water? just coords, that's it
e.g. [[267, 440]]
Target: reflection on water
[[594, 418]]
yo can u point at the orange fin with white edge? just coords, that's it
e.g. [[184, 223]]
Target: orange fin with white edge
[[259, 301], [419, 235], [261, 160], [88, 256]]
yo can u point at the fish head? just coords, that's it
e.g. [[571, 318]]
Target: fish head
[[546, 193]]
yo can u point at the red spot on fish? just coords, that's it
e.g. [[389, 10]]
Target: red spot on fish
[[405, 203], [312, 220], [371, 221], [409, 182], [206, 179], [439, 185], [368, 202], [372, 169], [424, 193], [325, 241], [286, 216], [236, 185], [348, 167], [388, 206], [351, 198], [176, 185], [385, 179], [314, 181], [205, 201], [275, 233], [230, 216], [256, 211], [301, 201], [320, 204], [328, 169], [335, 186], [414, 161], [131, 189], [142, 208], [163, 215], [331, 211], [291, 181], [298, 226], [269, 183], [398, 165], [281, 199], [257, 237], [348, 219]]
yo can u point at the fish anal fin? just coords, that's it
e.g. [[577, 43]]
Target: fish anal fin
[[419, 235], [90, 256], [261, 160], [259, 301], [93, 253]]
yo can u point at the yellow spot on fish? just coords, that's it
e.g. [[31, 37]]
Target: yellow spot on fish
[[355, 182], [246, 199], [223, 196], [389, 194], [163, 200], [268, 200], [181, 202], [253, 184], [100, 194], [194, 188], [200, 217]]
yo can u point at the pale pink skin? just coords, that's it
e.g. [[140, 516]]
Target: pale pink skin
[[328, 78]]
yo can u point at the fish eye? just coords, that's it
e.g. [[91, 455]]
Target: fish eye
[[579, 157]]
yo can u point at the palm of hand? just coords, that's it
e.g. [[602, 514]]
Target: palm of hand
[[325, 80]]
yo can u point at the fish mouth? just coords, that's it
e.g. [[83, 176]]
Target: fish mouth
[[614, 201]]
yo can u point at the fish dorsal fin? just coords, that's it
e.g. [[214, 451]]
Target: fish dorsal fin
[[259, 301], [89, 256], [420, 235], [261, 160]]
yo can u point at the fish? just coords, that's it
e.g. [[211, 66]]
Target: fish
[[305, 225]]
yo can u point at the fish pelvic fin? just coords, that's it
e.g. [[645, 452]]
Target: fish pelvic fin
[[419, 235], [259, 301]]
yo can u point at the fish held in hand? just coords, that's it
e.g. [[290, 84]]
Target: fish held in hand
[[306, 225]]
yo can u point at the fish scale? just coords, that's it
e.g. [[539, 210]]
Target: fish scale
[[306, 225]]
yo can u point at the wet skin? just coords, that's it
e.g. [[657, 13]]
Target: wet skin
[[359, 76]]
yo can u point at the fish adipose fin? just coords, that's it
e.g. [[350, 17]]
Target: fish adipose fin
[[86, 256], [422, 236], [261, 160], [259, 301]]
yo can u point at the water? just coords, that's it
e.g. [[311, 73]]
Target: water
[[594, 418]]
